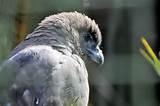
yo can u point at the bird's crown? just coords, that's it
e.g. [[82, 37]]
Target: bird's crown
[[76, 20]]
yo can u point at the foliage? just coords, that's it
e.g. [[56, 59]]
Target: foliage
[[150, 55]]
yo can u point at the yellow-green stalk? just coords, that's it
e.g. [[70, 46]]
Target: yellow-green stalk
[[148, 53]]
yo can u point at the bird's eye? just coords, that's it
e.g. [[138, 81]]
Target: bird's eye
[[88, 37]]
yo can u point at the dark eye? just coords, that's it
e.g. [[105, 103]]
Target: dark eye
[[88, 37]]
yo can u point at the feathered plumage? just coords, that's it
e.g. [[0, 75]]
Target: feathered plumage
[[50, 70]]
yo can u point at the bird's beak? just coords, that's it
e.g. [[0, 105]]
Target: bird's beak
[[96, 55]]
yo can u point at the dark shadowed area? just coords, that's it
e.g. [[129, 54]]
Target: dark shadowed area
[[125, 78]]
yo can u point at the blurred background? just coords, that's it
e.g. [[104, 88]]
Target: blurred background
[[126, 78]]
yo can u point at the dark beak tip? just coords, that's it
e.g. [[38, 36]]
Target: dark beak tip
[[101, 61]]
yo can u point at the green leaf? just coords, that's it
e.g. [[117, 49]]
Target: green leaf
[[150, 55]]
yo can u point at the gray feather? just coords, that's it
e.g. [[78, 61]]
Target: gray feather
[[46, 68]]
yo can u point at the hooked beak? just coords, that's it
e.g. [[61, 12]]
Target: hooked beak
[[96, 55]]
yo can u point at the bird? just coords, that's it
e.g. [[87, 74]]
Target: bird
[[48, 68]]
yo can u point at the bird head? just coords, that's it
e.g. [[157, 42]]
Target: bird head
[[90, 46], [81, 33]]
